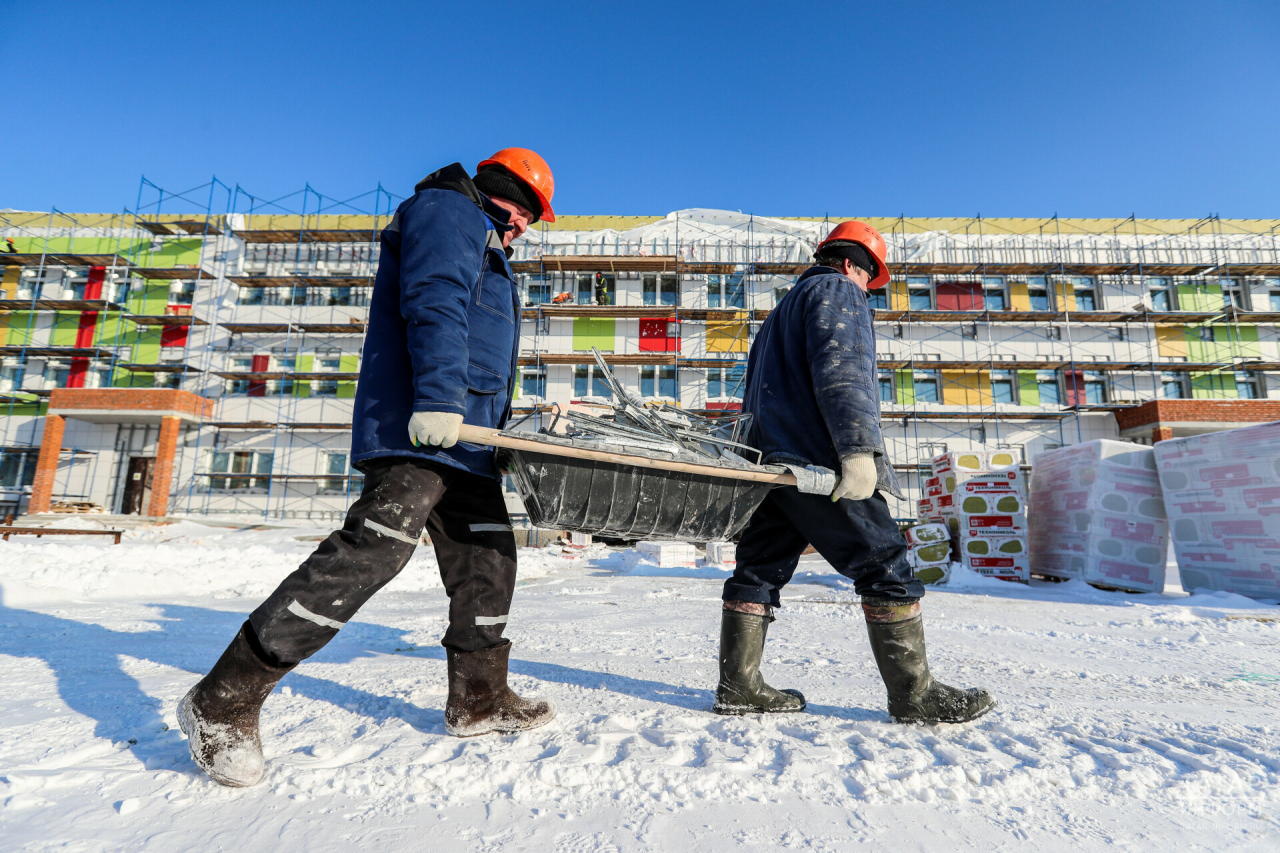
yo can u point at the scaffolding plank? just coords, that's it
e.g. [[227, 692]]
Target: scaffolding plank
[[271, 375], [587, 358], [316, 236], [171, 273], [162, 367], [166, 319], [199, 228], [59, 305], [58, 352], [609, 263], [59, 259]]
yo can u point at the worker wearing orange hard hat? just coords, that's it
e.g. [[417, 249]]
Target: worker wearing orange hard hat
[[812, 390], [440, 350]]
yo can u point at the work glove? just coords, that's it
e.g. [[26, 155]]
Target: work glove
[[434, 428], [857, 477]]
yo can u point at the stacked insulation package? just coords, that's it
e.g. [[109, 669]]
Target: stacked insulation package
[[929, 547], [1097, 514], [981, 495], [1222, 492]]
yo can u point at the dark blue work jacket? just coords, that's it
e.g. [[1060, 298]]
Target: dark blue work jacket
[[443, 324], [812, 385]]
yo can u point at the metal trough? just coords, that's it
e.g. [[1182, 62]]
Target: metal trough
[[628, 501]]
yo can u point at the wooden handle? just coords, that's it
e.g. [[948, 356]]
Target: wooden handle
[[497, 438]]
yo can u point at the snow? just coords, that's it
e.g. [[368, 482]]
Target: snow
[[1126, 721]]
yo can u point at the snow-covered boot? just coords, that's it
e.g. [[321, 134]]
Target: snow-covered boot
[[897, 640], [219, 715], [480, 700], [742, 689]]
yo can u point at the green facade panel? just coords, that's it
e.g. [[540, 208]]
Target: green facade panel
[[905, 387], [1028, 389], [20, 328], [348, 364], [596, 332]]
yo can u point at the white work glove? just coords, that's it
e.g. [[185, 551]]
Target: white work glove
[[434, 428], [857, 477]]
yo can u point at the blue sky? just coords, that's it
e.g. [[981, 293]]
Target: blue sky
[[929, 109]]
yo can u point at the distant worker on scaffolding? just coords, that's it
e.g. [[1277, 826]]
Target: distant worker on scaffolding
[[602, 290], [440, 350], [812, 389]]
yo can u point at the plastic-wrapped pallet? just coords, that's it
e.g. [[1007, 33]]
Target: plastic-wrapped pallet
[[1222, 491], [930, 550], [669, 554], [1097, 514], [722, 553]]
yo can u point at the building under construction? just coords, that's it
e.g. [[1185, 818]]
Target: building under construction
[[204, 361]]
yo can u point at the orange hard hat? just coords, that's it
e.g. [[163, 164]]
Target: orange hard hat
[[869, 238], [530, 168]]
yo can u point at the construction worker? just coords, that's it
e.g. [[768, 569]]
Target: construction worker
[[813, 393], [440, 351]]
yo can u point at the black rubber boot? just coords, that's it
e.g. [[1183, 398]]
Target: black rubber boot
[[219, 715], [914, 697], [742, 689], [480, 700]]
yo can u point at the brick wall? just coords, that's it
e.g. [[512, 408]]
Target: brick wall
[[1188, 411], [68, 400]]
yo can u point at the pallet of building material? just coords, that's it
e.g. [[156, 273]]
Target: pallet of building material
[[668, 554], [1222, 493], [929, 549], [722, 553], [1097, 514]]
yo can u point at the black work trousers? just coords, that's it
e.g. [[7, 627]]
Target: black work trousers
[[859, 539], [470, 529]]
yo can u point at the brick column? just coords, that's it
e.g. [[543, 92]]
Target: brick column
[[1161, 434], [47, 464], [162, 475]]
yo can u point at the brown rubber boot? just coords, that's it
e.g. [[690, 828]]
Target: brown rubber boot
[[897, 641], [219, 715], [480, 700]]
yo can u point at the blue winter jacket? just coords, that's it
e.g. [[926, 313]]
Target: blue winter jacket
[[812, 386], [443, 324]]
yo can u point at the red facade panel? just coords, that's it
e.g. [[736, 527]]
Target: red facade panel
[[959, 296], [659, 335]]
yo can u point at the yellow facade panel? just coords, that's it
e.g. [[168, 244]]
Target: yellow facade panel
[[966, 388], [726, 337], [1019, 300], [1171, 341]]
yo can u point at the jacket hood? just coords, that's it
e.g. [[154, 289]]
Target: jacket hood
[[454, 177]]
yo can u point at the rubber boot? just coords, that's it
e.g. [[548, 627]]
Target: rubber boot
[[219, 715], [480, 700], [742, 689], [914, 696]]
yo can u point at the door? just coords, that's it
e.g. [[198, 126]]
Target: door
[[137, 486]]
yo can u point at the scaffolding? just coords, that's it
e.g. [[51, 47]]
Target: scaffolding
[[994, 333]]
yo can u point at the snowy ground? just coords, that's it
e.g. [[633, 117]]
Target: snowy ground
[[1137, 722]]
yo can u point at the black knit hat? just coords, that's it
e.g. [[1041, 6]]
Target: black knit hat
[[497, 181], [855, 252]]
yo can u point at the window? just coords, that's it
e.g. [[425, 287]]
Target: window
[[329, 363], [918, 290], [11, 376], [1095, 389], [596, 289], [296, 295], [588, 381], [926, 386], [56, 374], [281, 388], [1172, 386], [1086, 293], [886, 386], [1038, 293], [1273, 290], [726, 291], [1234, 294], [726, 382], [659, 381], [1047, 385], [533, 382], [338, 296], [182, 293], [336, 463], [878, 300], [167, 380], [17, 468], [1158, 289], [250, 296], [780, 292], [538, 291], [1246, 385], [993, 293], [661, 290], [1002, 386], [324, 388], [241, 465]]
